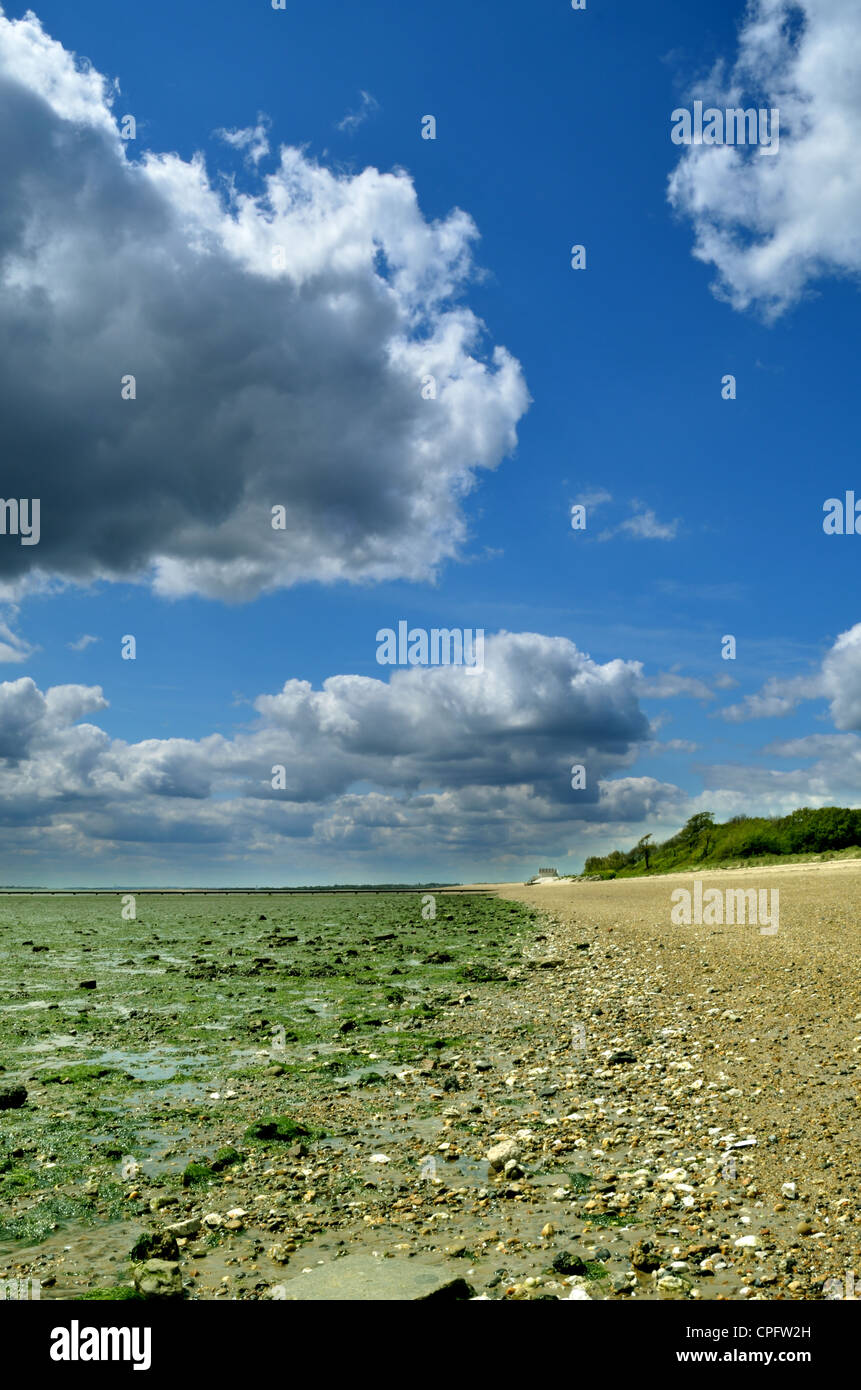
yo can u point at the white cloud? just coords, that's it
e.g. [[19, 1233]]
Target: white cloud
[[773, 223], [431, 763], [354, 119], [670, 684], [434, 767], [13, 648], [253, 140], [643, 526], [838, 681], [594, 497], [257, 384], [81, 644]]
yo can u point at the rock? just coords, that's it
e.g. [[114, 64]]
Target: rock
[[789, 1190], [155, 1245], [185, 1229], [644, 1256], [579, 1293], [362, 1278], [281, 1127], [624, 1283], [505, 1152], [225, 1158], [87, 984], [158, 1279], [672, 1284], [566, 1263], [483, 1066], [196, 1173], [12, 1097], [617, 1059], [805, 1228]]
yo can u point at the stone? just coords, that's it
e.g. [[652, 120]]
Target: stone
[[644, 1256], [225, 1158], [155, 1245], [279, 1127], [505, 1152], [362, 1278], [12, 1097], [185, 1229], [672, 1284], [158, 1279]]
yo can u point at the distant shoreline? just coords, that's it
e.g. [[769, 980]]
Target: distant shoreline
[[222, 892]]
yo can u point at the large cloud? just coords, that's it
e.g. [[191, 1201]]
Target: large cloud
[[434, 765], [838, 681], [258, 384], [771, 223], [434, 770]]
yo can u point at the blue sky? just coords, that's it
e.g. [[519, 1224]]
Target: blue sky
[[553, 128]]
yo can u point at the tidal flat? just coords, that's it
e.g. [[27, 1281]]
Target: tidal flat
[[223, 1053], [534, 1093]]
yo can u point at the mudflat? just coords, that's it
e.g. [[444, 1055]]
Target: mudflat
[[547, 1092]]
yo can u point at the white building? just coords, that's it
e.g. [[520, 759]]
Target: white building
[[545, 876]]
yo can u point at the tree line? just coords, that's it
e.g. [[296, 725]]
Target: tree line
[[701, 841]]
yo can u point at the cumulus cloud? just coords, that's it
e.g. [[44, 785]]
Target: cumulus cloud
[[431, 763], [838, 681], [432, 767], [828, 776], [280, 340], [772, 223]]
